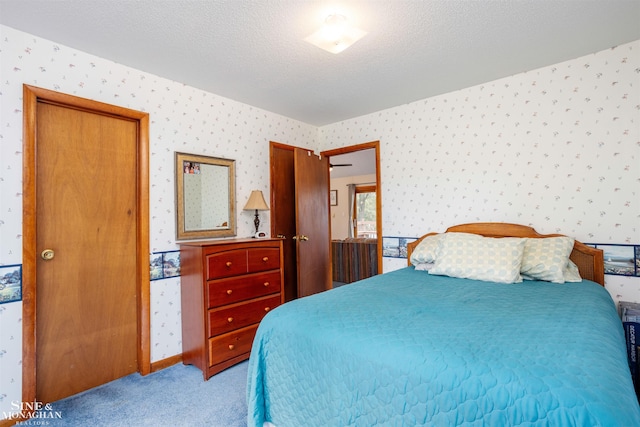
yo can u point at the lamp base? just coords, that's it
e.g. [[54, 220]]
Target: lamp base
[[256, 222]]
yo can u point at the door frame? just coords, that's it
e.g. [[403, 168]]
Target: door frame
[[31, 96], [359, 147]]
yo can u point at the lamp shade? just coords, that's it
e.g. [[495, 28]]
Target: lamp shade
[[256, 201]]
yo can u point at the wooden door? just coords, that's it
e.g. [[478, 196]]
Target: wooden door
[[283, 212], [300, 206], [87, 262], [312, 222]]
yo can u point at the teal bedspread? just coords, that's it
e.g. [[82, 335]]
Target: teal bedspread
[[406, 348]]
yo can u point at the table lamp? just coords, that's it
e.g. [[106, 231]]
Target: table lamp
[[256, 201]]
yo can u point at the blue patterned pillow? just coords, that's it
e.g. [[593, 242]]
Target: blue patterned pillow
[[424, 266], [571, 273], [470, 256], [546, 258], [425, 252]]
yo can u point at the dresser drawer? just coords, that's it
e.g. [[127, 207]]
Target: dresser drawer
[[228, 291], [263, 259], [232, 344], [226, 264], [240, 315]]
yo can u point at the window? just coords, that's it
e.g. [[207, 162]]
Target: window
[[364, 212]]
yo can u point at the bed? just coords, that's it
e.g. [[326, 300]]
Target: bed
[[418, 347]]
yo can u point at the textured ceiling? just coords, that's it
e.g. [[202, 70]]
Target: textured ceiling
[[254, 52]]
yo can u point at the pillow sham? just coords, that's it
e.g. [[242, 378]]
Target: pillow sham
[[546, 258], [571, 273], [424, 266], [470, 256], [425, 252]]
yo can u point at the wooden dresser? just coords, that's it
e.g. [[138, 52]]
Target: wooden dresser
[[227, 287]]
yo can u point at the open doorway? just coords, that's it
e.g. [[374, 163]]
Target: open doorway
[[355, 212]]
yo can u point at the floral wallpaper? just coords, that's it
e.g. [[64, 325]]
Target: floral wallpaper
[[182, 118], [556, 148]]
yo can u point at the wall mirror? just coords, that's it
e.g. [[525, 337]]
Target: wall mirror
[[205, 197]]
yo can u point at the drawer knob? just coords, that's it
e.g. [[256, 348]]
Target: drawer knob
[[229, 291], [267, 309], [229, 319], [228, 264], [265, 259], [231, 346], [266, 284]]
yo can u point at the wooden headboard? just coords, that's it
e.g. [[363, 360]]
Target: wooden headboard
[[590, 261]]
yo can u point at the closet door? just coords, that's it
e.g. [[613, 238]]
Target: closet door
[[283, 212], [86, 233], [300, 215], [312, 222]]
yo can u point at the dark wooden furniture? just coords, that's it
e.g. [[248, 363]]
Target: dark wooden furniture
[[227, 287], [354, 259]]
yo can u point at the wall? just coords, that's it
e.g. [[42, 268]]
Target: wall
[[182, 118], [556, 148], [340, 213]]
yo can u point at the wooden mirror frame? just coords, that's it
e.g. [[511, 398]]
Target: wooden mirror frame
[[227, 228]]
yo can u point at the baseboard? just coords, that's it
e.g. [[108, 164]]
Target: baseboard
[[164, 363]]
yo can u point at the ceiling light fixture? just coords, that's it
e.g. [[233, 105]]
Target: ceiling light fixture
[[335, 35]]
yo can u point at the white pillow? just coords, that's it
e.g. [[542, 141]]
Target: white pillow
[[424, 266], [471, 256], [425, 252], [571, 273], [546, 258]]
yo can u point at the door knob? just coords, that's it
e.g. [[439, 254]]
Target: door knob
[[47, 254], [303, 238]]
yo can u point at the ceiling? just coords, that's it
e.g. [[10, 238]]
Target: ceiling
[[253, 51], [361, 162]]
